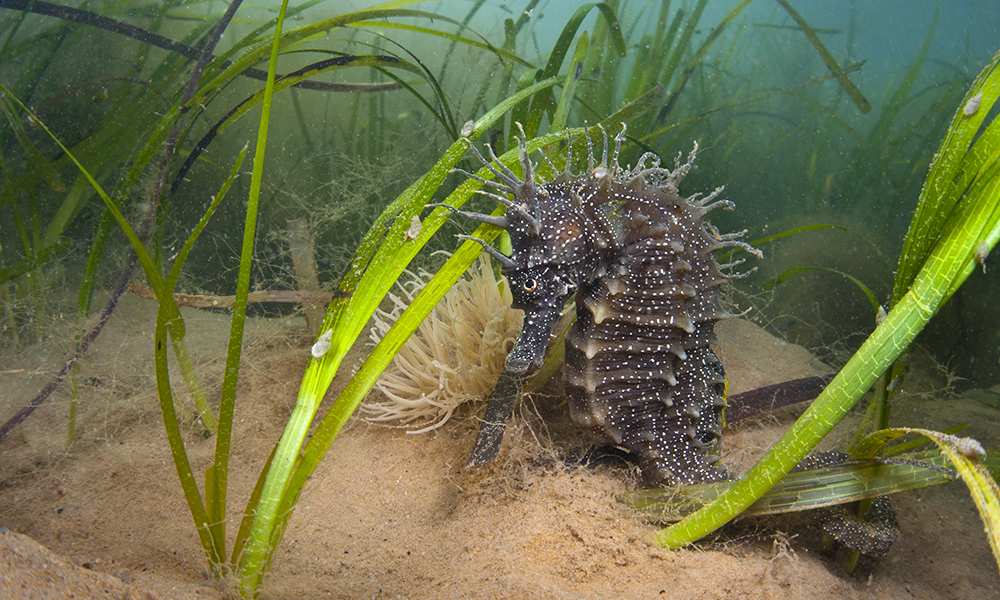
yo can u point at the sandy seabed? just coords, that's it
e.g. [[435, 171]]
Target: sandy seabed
[[392, 515]]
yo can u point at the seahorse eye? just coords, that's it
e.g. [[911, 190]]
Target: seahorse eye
[[530, 284]]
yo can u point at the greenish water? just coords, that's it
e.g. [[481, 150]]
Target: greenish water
[[789, 142]]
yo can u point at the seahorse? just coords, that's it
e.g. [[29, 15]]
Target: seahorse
[[640, 372]]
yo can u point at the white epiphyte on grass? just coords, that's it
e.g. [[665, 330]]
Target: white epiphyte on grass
[[415, 228], [981, 253], [972, 106], [322, 345], [969, 447], [455, 355]]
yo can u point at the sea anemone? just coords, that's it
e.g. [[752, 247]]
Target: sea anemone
[[455, 355]]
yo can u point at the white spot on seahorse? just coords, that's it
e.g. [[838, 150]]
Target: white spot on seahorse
[[972, 106], [322, 345]]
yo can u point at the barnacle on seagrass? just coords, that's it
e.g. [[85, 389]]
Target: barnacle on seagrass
[[455, 355]]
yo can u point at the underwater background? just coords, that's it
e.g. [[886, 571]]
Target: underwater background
[[791, 150], [820, 118]]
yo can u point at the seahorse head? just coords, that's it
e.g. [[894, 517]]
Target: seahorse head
[[556, 245]]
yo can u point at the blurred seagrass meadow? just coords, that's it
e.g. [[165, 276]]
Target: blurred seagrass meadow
[[793, 146]]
